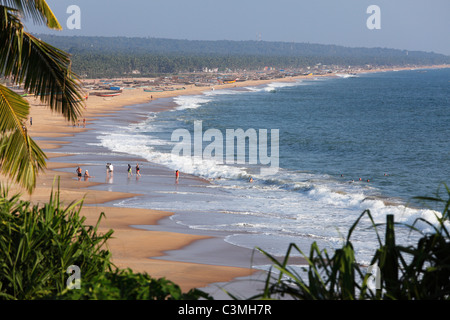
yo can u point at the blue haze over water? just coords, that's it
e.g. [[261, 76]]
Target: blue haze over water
[[391, 128]]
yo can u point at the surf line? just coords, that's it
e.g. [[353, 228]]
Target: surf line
[[258, 146]]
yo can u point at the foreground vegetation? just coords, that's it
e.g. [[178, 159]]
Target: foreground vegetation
[[39, 243], [419, 272]]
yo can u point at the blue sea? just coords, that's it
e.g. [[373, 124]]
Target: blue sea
[[346, 144]]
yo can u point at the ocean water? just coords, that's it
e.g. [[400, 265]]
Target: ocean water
[[346, 144]]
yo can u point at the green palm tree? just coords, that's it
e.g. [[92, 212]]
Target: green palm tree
[[42, 70]]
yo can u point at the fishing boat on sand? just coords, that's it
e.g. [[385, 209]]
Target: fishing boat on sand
[[153, 90], [109, 94], [225, 81]]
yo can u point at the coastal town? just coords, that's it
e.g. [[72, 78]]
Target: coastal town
[[211, 78], [110, 87]]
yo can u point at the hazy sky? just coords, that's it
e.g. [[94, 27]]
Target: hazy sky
[[405, 24]]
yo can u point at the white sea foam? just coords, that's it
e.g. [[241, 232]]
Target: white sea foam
[[274, 86], [190, 102], [195, 101], [346, 75], [127, 141]]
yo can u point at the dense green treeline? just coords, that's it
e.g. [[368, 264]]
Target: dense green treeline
[[119, 64], [119, 56]]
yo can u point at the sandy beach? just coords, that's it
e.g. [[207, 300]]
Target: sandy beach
[[140, 249], [131, 247]]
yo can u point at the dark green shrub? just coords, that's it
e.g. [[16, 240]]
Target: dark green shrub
[[38, 243], [126, 285]]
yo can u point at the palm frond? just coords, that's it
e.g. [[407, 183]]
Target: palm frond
[[38, 10], [20, 157], [13, 108], [42, 69]]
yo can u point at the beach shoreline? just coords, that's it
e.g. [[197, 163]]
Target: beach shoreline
[[52, 133], [48, 127]]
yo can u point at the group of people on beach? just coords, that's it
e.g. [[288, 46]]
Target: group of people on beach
[[110, 171], [130, 173], [80, 175]]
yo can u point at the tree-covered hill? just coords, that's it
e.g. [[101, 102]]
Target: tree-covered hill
[[117, 56]]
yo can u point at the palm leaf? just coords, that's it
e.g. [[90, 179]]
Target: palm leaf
[[13, 108], [42, 69], [38, 10], [20, 157]]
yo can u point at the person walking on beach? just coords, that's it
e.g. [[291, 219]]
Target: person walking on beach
[[177, 175], [129, 171], [111, 168], [138, 173]]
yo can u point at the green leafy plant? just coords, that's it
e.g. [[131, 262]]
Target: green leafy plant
[[126, 285], [406, 272], [38, 244]]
